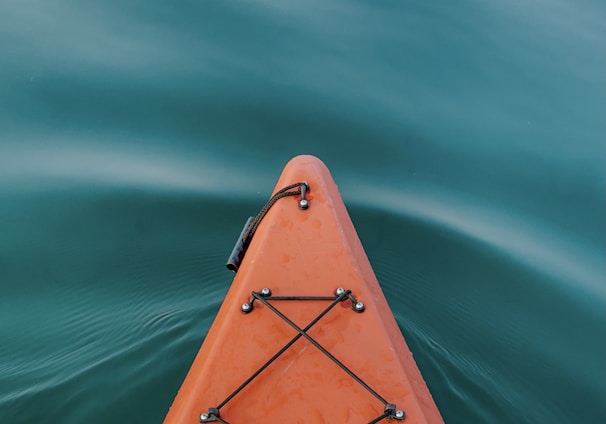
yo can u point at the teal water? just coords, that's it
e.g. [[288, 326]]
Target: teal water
[[468, 140]]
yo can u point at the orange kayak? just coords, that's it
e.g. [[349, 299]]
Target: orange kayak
[[305, 334]]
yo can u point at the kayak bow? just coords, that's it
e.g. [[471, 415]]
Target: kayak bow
[[304, 334]]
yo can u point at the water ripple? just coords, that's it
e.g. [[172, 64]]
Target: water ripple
[[551, 251], [36, 167]]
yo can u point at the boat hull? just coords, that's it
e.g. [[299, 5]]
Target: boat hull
[[304, 253]]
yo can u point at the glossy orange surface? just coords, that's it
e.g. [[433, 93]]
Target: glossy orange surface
[[305, 253]]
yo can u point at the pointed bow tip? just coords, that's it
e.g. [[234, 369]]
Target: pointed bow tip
[[305, 160]]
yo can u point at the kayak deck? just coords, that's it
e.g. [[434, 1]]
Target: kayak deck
[[304, 334]]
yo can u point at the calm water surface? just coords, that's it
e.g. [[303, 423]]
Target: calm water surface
[[468, 141]]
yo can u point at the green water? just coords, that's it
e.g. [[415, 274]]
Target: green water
[[468, 140]]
